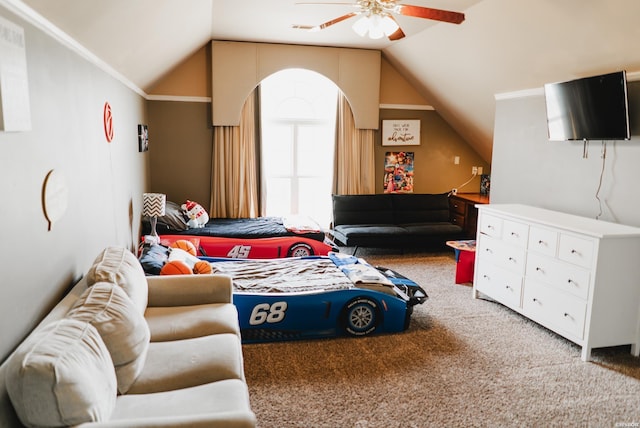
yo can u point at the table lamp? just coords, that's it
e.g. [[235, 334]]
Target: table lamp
[[153, 206]]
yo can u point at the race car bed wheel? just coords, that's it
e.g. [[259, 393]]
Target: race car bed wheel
[[360, 316], [300, 250]]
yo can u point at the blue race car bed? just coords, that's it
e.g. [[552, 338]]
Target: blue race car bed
[[313, 297]]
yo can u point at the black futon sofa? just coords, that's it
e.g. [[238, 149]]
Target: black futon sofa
[[398, 220]]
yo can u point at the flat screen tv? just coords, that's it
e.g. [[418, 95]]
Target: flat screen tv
[[590, 108]]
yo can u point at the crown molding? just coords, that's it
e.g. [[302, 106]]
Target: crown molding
[[179, 98], [406, 107]]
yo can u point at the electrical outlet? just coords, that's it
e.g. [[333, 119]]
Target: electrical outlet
[[474, 170], [479, 170]]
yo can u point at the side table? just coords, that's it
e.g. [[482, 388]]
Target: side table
[[465, 252]]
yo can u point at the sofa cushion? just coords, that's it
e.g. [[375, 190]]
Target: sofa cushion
[[420, 208], [217, 404], [62, 375], [122, 328], [190, 362], [359, 209], [432, 229], [119, 266], [186, 322]]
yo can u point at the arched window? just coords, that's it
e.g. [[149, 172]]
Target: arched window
[[298, 109]]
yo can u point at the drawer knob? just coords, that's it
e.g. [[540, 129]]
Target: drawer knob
[[538, 269], [535, 300], [511, 259], [508, 287], [540, 242], [571, 281], [574, 252], [490, 226], [514, 234]]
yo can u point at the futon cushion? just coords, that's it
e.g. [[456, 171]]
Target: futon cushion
[[62, 375], [122, 328], [362, 209], [185, 363], [185, 322], [119, 266]]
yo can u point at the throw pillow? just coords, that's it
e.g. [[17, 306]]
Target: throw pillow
[[62, 375]]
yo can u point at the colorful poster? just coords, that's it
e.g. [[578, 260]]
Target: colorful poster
[[398, 172]]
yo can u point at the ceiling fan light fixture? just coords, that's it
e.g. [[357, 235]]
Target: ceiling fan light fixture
[[376, 31], [389, 25], [361, 26]]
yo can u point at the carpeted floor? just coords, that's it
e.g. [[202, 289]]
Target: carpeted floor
[[462, 362]]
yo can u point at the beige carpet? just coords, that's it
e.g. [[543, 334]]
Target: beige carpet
[[463, 362]]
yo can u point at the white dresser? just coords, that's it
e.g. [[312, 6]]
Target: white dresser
[[577, 276]]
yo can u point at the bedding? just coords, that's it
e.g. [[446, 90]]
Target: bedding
[[252, 228], [252, 238]]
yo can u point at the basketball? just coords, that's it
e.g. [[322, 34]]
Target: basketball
[[185, 245], [202, 268], [175, 267]]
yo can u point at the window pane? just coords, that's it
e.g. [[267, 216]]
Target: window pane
[[315, 150], [315, 199], [279, 196], [277, 155]]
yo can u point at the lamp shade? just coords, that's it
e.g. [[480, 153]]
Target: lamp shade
[[153, 204]]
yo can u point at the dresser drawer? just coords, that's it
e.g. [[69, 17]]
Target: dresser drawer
[[501, 254], [576, 250], [457, 219], [457, 206], [558, 274], [501, 285], [543, 241], [554, 309], [515, 233], [490, 225]]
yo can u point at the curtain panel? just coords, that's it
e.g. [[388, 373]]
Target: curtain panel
[[234, 179], [354, 160]]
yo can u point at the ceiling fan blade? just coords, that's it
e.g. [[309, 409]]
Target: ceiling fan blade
[[398, 34], [429, 13], [326, 24]]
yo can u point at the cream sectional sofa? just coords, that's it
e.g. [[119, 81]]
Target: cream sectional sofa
[[126, 350]]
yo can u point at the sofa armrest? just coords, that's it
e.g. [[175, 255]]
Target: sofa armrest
[[187, 290]]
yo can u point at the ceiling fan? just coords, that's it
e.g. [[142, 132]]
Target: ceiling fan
[[377, 17]]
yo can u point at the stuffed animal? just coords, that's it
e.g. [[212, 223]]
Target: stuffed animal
[[198, 217]]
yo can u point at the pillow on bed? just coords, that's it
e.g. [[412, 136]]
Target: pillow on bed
[[153, 258], [173, 219]]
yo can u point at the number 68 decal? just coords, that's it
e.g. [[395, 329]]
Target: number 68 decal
[[265, 312]]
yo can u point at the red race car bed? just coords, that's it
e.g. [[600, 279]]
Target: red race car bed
[[252, 238]]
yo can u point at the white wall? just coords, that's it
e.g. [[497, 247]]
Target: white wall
[[105, 181], [529, 169]]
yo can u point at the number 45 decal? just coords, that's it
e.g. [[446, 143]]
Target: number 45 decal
[[239, 252], [264, 312]]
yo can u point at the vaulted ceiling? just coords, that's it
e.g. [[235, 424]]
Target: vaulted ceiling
[[502, 46]]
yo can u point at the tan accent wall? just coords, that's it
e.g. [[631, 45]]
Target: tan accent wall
[[191, 78], [434, 167], [395, 89]]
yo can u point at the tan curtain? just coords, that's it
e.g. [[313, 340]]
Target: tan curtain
[[354, 162], [234, 182]]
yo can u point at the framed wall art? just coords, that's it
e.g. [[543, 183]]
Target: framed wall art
[[143, 138], [401, 132], [398, 172]]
